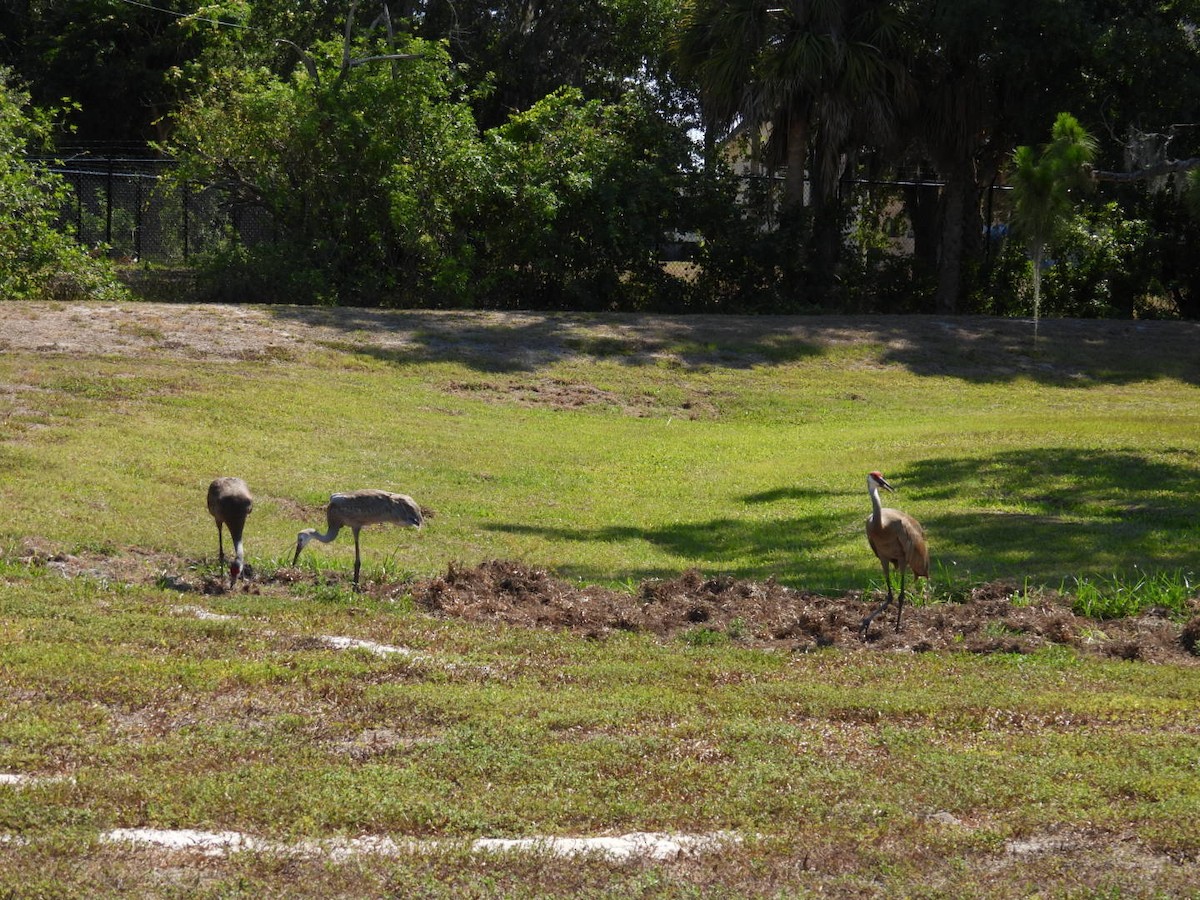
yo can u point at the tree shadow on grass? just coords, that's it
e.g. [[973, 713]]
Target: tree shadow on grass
[[725, 546], [1068, 352], [519, 341], [1041, 515], [1046, 514]]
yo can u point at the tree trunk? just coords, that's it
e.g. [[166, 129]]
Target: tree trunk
[[921, 202], [950, 260], [797, 160]]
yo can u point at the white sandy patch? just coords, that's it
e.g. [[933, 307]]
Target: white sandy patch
[[638, 844], [14, 779], [199, 612], [348, 643], [207, 843], [646, 845]]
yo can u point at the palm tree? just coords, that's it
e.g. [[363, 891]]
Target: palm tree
[[804, 66], [1043, 185]]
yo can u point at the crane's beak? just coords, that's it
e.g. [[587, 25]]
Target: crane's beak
[[883, 483]]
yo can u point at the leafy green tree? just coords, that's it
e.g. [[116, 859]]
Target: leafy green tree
[[800, 66], [990, 73], [37, 260], [1045, 186], [522, 51], [585, 194], [124, 66], [362, 167]]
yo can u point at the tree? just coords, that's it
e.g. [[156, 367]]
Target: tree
[[37, 260], [584, 195], [124, 66], [524, 50], [798, 65], [986, 70], [1045, 185], [992, 72], [361, 168]]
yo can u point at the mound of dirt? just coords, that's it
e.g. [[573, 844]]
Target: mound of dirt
[[749, 613], [767, 614]]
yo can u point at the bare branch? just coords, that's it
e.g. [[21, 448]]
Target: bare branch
[[1149, 172], [304, 58], [367, 59]]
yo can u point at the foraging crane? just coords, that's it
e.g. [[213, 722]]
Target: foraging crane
[[898, 540], [355, 509], [229, 502]]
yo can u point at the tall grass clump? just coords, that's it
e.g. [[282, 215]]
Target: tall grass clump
[[1117, 596]]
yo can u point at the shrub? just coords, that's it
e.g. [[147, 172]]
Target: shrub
[[37, 260]]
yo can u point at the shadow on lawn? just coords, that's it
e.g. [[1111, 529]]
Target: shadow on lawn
[[495, 342], [1069, 352], [725, 546], [1076, 511], [1079, 512]]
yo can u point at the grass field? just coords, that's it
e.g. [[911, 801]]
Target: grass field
[[609, 450]]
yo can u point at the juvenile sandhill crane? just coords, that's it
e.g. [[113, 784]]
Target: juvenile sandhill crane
[[898, 540], [355, 509], [230, 502]]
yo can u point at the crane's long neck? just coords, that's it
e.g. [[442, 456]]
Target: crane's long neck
[[329, 535], [876, 506], [236, 527]]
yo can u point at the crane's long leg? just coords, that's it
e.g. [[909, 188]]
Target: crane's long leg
[[869, 619], [220, 543], [357, 558], [900, 608]]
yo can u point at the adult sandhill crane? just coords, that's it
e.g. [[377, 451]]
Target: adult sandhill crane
[[898, 540], [230, 502], [355, 509]]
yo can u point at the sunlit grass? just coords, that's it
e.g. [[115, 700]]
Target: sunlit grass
[[855, 773], [759, 474], [1117, 596]]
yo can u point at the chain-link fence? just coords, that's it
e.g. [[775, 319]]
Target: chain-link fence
[[126, 208]]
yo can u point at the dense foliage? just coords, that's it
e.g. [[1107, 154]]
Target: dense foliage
[[850, 154], [36, 259]]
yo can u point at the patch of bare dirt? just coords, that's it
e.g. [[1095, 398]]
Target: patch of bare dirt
[[750, 613], [767, 614], [972, 347], [557, 393]]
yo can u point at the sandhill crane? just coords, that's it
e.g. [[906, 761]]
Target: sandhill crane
[[355, 509], [230, 502], [898, 540]]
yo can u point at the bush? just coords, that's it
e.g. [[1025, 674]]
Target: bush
[[37, 260], [574, 219], [364, 172], [1097, 268]]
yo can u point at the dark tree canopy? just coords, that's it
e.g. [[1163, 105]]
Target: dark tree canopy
[[931, 94]]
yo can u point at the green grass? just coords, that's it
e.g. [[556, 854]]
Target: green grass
[[844, 759], [1115, 597], [1012, 478], [743, 454]]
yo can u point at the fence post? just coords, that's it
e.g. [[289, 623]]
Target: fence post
[[137, 218], [108, 204], [184, 194], [79, 207]]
